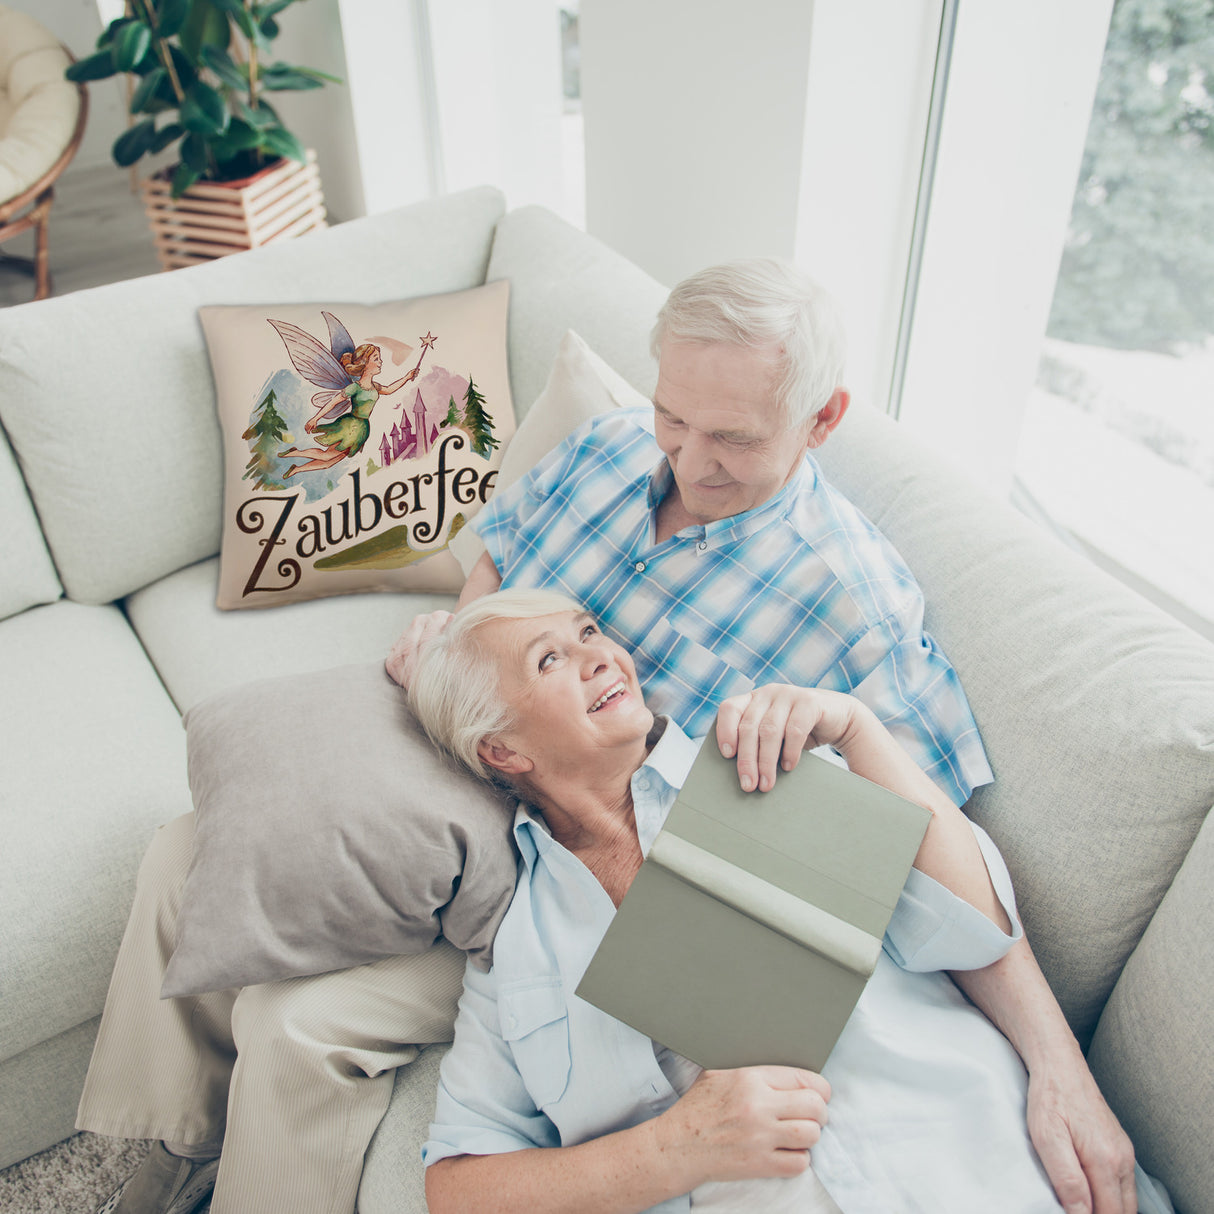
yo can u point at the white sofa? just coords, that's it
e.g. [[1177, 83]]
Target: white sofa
[[1097, 711]]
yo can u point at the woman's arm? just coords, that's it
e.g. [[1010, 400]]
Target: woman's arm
[[769, 727], [387, 390], [730, 1125]]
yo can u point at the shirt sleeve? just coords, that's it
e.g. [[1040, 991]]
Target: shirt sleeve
[[933, 929], [483, 1107], [504, 519], [906, 679]]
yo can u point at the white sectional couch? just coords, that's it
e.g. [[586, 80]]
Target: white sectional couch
[[1097, 711]]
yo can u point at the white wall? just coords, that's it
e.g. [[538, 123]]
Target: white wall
[[694, 126]]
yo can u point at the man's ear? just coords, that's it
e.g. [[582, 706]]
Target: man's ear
[[829, 416], [495, 754]]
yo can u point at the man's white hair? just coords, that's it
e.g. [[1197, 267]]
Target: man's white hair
[[763, 303], [455, 692]]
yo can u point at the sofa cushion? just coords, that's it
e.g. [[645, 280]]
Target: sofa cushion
[[126, 366], [562, 279], [1152, 1054], [94, 761], [1097, 711], [580, 386], [199, 650], [27, 574], [365, 487]]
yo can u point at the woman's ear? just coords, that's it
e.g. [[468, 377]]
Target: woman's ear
[[496, 754]]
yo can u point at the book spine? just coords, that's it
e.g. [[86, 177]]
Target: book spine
[[802, 922]]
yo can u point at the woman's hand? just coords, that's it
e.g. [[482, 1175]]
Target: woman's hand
[[770, 727], [755, 1121], [402, 658]]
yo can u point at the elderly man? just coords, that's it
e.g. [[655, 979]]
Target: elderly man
[[705, 539]]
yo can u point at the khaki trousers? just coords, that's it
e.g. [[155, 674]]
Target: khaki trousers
[[293, 1076]]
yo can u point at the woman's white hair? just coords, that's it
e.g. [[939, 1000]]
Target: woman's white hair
[[454, 691], [763, 303]]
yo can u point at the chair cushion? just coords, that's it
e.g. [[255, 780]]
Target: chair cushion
[[27, 574], [94, 760]]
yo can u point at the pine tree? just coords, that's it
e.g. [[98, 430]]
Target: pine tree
[[264, 436], [372, 467], [453, 418], [477, 422]]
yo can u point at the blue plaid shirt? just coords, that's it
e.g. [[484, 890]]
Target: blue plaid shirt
[[802, 589]]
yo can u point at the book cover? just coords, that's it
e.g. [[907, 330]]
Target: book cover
[[755, 921]]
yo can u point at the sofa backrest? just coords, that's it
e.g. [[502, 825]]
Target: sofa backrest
[[27, 574], [108, 398]]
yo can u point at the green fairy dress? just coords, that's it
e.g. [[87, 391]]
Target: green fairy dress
[[350, 432]]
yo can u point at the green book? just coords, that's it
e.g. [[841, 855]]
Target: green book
[[757, 918]]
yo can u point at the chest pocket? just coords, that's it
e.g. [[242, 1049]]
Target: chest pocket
[[535, 1024], [678, 670]]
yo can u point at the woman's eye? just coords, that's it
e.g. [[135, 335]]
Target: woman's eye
[[547, 660]]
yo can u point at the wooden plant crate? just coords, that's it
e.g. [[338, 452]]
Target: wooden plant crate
[[215, 218]]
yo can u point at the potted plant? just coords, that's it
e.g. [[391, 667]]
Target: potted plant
[[201, 71]]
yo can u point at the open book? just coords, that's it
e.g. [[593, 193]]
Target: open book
[[755, 921]]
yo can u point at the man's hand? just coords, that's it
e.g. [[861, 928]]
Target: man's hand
[[403, 656], [1087, 1155], [769, 727]]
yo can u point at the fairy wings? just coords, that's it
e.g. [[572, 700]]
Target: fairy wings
[[320, 366]]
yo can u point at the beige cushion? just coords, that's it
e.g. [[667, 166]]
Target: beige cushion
[[1153, 1053], [580, 386], [420, 464]]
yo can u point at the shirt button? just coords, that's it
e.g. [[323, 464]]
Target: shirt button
[[639, 566], [702, 545]]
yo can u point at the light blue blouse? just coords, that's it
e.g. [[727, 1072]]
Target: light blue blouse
[[928, 1104]]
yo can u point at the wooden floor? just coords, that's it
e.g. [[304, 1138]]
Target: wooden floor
[[98, 234]]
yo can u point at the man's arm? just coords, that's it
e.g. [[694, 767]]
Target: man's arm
[[1087, 1155]]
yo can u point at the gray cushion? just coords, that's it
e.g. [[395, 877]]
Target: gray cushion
[[1095, 708], [330, 833], [125, 365], [1153, 1052], [562, 279], [27, 575], [94, 761]]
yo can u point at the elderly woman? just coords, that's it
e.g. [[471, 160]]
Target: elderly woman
[[547, 1103]]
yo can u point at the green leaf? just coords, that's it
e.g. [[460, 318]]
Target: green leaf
[[132, 144], [194, 153], [241, 137], [225, 67], [203, 111], [166, 135], [268, 28], [205, 26], [187, 73], [130, 45], [171, 16], [262, 118], [280, 77], [144, 97], [281, 142], [271, 9], [183, 178], [94, 67], [107, 36]]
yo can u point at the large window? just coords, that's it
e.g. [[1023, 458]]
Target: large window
[[1117, 443]]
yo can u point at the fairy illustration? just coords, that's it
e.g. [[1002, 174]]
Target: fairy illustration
[[346, 374]]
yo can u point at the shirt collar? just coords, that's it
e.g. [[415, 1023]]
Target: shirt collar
[[655, 785], [737, 526]]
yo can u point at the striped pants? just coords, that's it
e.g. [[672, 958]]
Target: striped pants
[[292, 1076]]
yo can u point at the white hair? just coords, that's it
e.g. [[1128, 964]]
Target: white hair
[[763, 303], [454, 691]]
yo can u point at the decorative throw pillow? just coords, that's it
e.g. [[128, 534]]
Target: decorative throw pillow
[[580, 386], [358, 440], [329, 832]]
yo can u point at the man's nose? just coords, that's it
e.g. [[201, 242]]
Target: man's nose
[[697, 458]]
